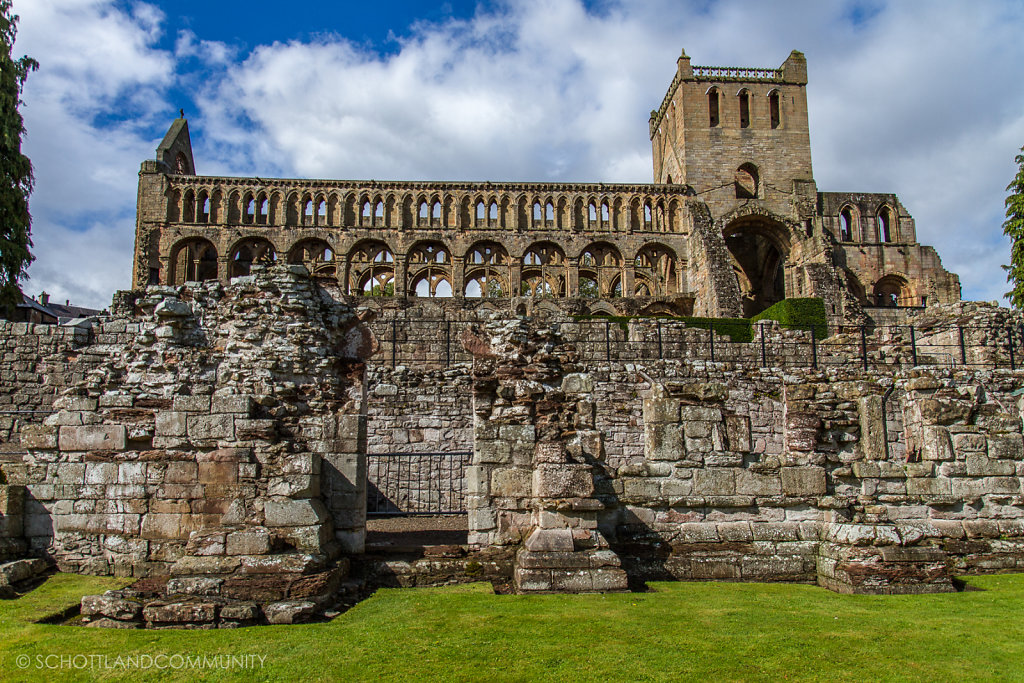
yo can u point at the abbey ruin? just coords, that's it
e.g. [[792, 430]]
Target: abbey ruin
[[298, 357]]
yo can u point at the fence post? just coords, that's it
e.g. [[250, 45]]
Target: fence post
[[864, 345], [711, 339], [913, 346], [394, 340], [607, 341], [814, 349], [963, 349], [661, 352], [764, 362], [1013, 365], [447, 343]]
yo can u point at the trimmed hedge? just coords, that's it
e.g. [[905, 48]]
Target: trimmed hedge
[[798, 314], [794, 314]]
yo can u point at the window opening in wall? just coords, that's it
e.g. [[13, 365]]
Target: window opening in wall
[[712, 107], [538, 212], [549, 212], [773, 109], [367, 210], [809, 227], [250, 211], [436, 213], [424, 210], [647, 214], [845, 225], [604, 211], [493, 213], [480, 211], [744, 109], [263, 211], [884, 225], [591, 212], [307, 212], [379, 212], [204, 208], [746, 181]]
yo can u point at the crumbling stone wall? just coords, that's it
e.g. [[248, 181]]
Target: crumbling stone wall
[[203, 435], [865, 481]]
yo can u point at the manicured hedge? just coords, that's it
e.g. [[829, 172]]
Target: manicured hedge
[[794, 314], [798, 314]]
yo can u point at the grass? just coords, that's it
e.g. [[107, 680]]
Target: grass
[[681, 631]]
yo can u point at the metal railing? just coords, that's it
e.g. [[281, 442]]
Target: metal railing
[[416, 483], [437, 343]]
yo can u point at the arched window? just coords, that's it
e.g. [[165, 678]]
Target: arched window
[[655, 271], [886, 232], [746, 181], [429, 270], [493, 211], [481, 212], [591, 213], [371, 269], [193, 260], [487, 271], [436, 212], [307, 212], [713, 107], [538, 213], [262, 209], [774, 115], [316, 255], [549, 212], [248, 252], [846, 225], [250, 210], [744, 97], [543, 271], [378, 213], [321, 212], [601, 265], [203, 207], [424, 213]]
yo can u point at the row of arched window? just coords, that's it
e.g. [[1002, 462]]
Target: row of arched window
[[742, 103], [605, 213], [886, 225], [487, 270]]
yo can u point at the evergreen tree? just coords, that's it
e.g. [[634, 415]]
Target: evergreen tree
[[15, 168], [1014, 229]]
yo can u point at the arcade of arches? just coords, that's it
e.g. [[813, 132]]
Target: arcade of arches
[[487, 270]]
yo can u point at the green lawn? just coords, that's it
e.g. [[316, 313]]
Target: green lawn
[[681, 631]]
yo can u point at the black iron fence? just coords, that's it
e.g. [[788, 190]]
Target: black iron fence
[[416, 483], [438, 343]]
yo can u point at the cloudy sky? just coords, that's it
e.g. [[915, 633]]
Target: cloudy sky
[[919, 98]]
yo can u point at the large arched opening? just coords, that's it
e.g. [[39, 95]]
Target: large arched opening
[[759, 247]]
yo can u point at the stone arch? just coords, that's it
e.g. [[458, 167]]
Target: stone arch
[[855, 287], [747, 181], [317, 255], [370, 269], [543, 271], [602, 308], [654, 270], [759, 246], [893, 290], [848, 224], [487, 271], [714, 119], [887, 224], [192, 260], [600, 263], [247, 252], [429, 268]]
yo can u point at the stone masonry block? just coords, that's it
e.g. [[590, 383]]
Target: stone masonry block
[[563, 481], [737, 430], [211, 426], [661, 410], [511, 483], [803, 481], [170, 423], [93, 438], [238, 405], [714, 481], [663, 441], [287, 512], [936, 444]]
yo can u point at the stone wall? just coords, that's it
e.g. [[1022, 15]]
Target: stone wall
[[866, 481], [204, 434]]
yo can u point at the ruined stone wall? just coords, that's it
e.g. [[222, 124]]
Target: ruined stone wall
[[204, 433], [862, 480]]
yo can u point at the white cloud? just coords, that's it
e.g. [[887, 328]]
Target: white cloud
[[88, 112], [916, 101]]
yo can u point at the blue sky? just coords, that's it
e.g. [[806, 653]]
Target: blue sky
[[921, 99]]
